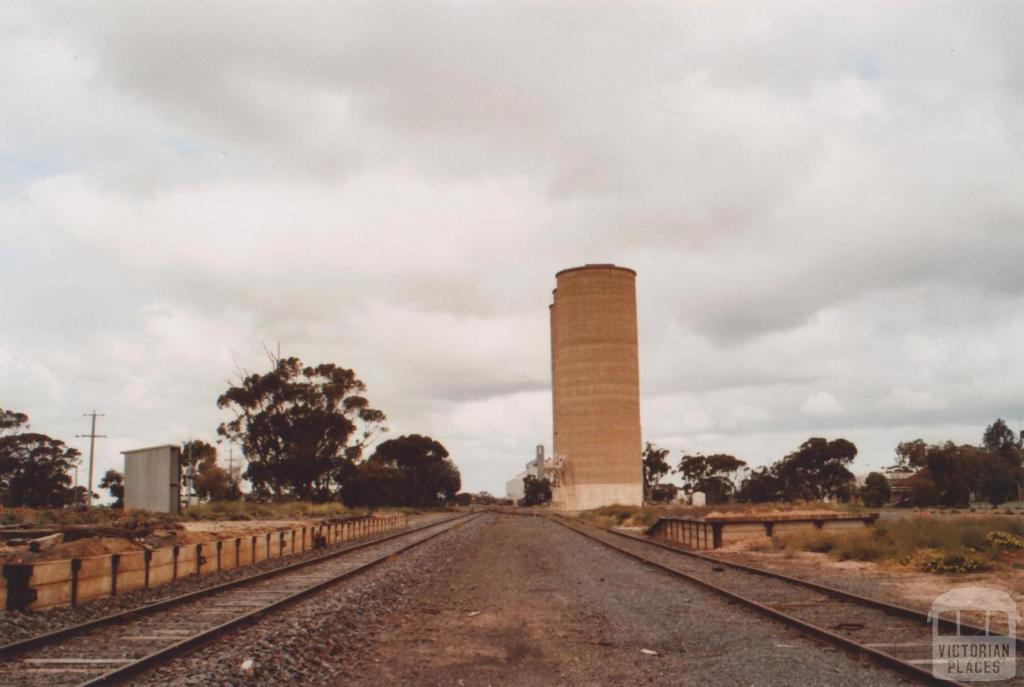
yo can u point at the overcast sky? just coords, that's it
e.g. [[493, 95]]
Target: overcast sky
[[823, 203]]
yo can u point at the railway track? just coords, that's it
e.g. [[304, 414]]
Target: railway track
[[888, 635], [118, 647]]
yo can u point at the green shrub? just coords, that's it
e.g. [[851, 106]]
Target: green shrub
[[955, 563], [1004, 540]]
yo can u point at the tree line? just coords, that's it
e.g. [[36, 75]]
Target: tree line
[[946, 474], [304, 432], [951, 474]]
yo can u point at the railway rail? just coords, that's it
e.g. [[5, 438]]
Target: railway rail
[[888, 635], [117, 647]]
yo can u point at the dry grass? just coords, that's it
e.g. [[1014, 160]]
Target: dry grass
[[252, 510], [947, 545], [645, 516]]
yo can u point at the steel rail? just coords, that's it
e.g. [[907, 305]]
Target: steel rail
[[849, 645], [11, 649], [200, 639], [895, 609]]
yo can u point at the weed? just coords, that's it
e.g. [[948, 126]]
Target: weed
[[955, 563], [947, 544], [1004, 540]]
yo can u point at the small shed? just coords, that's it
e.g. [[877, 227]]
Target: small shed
[[152, 479]]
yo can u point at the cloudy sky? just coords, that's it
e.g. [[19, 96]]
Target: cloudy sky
[[823, 202]]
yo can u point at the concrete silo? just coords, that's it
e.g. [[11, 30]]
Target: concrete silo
[[595, 380]]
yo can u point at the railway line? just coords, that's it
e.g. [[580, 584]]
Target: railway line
[[116, 648], [888, 635]]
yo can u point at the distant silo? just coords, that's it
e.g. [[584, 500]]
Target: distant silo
[[595, 375]]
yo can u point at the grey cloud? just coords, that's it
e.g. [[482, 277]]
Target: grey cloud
[[817, 198]]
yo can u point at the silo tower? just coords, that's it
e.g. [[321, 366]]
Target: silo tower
[[595, 380]]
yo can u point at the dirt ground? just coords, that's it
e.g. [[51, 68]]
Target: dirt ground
[[180, 533]]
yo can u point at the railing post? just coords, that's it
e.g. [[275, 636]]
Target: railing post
[[115, 563]]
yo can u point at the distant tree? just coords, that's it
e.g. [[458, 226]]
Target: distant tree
[[710, 474], [194, 452], [34, 468], [113, 481], [214, 483], [484, 498], [956, 471], [912, 455], [760, 486], [875, 491], [373, 484], [463, 498], [664, 493], [999, 439], [302, 428], [1002, 472], [816, 470], [536, 491], [411, 470], [923, 490], [11, 422], [654, 468]]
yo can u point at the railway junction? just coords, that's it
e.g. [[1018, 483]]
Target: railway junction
[[479, 598]]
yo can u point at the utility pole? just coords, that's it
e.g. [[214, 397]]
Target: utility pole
[[93, 436]]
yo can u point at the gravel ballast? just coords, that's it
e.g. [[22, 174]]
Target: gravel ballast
[[509, 600]]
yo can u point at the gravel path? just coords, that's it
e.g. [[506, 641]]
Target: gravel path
[[517, 601], [16, 625]]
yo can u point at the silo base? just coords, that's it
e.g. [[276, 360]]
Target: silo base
[[587, 496]]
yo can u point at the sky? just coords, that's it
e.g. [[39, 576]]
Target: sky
[[822, 200]]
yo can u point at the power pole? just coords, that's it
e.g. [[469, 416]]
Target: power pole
[[93, 436]]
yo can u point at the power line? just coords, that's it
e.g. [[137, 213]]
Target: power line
[[92, 436]]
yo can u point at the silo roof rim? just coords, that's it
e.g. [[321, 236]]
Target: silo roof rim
[[596, 266]]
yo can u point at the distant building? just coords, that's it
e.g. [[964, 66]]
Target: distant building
[[536, 467], [514, 487], [152, 479]]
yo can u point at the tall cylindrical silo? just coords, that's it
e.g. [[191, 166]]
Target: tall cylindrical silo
[[596, 387]]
